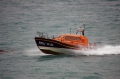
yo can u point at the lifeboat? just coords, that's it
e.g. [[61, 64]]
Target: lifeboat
[[64, 43]]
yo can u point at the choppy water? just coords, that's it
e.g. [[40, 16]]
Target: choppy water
[[20, 19]]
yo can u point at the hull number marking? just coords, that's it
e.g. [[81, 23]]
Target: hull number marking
[[45, 43]]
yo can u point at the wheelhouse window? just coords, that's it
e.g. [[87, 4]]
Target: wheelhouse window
[[72, 38]]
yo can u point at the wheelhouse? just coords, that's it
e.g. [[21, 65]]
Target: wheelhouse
[[73, 39]]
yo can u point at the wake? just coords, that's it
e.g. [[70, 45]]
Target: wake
[[104, 50]]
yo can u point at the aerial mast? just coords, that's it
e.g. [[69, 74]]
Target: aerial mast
[[84, 23], [83, 28], [70, 29]]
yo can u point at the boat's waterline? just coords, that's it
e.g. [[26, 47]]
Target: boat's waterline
[[56, 51]]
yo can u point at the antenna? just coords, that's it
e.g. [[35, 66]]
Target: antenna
[[84, 24], [83, 28], [70, 29]]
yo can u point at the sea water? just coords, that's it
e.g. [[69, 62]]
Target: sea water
[[21, 59]]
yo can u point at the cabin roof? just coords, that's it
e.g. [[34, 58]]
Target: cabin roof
[[74, 35]]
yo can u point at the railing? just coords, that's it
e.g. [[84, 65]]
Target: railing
[[45, 35], [42, 34], [90, 46]]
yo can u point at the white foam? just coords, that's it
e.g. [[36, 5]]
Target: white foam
[[33, 52], [104, 50]]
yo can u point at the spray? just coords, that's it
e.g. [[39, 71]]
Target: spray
[[104, 50]]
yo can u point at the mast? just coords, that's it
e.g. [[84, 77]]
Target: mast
[[84, 24], [70, 29], [83, 28]]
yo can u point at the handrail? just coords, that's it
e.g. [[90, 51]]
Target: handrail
[[42, 34]]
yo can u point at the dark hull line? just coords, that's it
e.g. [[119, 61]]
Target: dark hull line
[[53, 43], [50, 52], [51, 46]]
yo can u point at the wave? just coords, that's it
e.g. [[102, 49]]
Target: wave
[[5, 51], [104, 50]]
